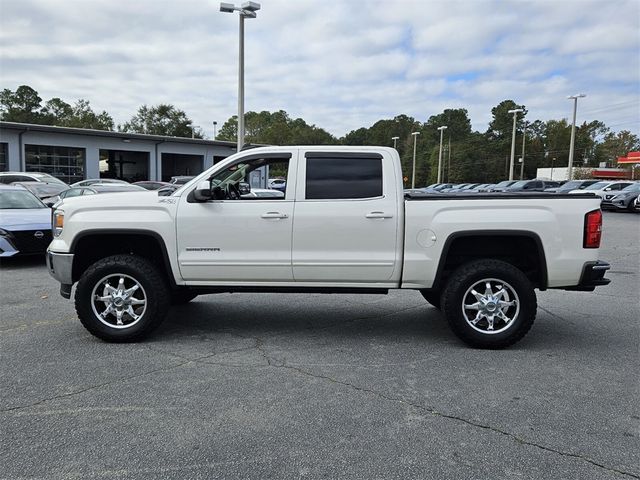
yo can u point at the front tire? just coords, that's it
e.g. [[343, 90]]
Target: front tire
[[122, 298], [489, 304]]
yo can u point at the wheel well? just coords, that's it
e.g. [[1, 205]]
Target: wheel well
[[94, 246], [523, 251]]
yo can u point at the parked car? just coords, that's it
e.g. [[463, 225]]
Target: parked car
[[441, 188], [571, 185], [263, 193], [168, 190], [11, 177], [605, 188], [348, 226], [277, 184], [25, 222], [502, 186], [623, 200], [42, 189], [181, 179], [636, 204], [91, 181], [483, 187], [92, 190], [531, 186], [151, 185]]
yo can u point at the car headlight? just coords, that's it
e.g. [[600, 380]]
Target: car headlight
[[3, 232], [57, 222]]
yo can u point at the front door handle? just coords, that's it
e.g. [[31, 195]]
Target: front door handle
[[274, 215], [378, 215]]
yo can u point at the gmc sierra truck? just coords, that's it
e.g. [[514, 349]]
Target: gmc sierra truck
[[344, 225]]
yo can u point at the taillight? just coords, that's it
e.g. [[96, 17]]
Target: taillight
[[592, 229]]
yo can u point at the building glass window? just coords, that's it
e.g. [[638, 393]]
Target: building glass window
[[3, 156], [65, 163]]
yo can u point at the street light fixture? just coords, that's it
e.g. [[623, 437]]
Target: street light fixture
[[395, 139], [573, 133], [442, 129], [247, 10], [515, 112], [413, 175]]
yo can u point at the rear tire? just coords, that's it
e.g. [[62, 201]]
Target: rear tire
[[122, 298], [489, 304]]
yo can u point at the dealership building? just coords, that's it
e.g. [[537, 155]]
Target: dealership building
[[74, 154]]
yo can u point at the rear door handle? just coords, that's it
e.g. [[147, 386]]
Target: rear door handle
[[378, 215], [274, 215]]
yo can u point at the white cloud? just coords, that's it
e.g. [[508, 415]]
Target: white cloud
[[338, 64]]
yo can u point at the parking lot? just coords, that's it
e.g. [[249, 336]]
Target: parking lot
[[323, 386]]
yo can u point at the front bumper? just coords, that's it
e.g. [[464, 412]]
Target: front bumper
[[592, 277], [60, 267]]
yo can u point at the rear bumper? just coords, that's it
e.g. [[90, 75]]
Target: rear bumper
[[592, 277], [60, 267]]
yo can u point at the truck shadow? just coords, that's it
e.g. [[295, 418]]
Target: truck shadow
[[344, 319]]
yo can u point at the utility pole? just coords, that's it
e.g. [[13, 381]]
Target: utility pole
[[515, 112], [413, 176], [573, 133], [215, 133], [442, 129], [449, 160], [524, 139], [395, 139]]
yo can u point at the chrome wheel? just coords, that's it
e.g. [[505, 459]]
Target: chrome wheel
[[492, 311], [118, 300]]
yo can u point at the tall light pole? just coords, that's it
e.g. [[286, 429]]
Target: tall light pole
[[442, 129], [215, 130], [524, 140], [247, 10], [573, 133], [395, 139], [513, 140], [413, 175]]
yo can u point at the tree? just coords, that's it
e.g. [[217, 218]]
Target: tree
[[276, 128], [161, 119], [617, 145], [22, 106], [501, 126]]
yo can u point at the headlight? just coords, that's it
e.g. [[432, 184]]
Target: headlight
[[57, 222], [3, 232]]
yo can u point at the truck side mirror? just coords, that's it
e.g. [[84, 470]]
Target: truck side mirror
[[202, 193], [244, 188]]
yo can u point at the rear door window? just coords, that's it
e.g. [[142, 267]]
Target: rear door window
[[345, 177]]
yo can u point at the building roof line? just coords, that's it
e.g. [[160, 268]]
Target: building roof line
[[111, 134]]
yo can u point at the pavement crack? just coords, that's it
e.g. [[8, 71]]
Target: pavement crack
[[475, 424], [185, 361], [93, 387]]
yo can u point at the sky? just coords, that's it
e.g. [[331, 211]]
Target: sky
[[338, 64]]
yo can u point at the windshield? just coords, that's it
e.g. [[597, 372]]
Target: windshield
[[504, 183], [597, 186], [519, 184], [16, 199], [571, 185], [45, 177], [42, 189]]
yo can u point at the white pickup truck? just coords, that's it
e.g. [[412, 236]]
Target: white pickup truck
[[344, 225]]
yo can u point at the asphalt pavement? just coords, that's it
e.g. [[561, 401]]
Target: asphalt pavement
[[323, 386]]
